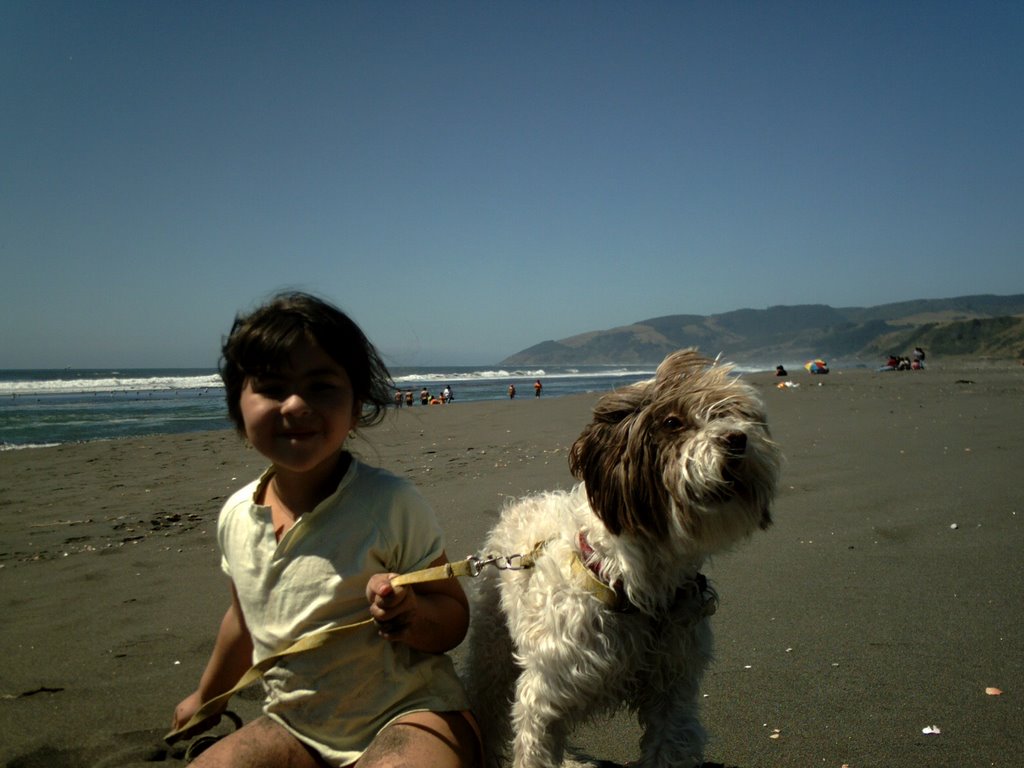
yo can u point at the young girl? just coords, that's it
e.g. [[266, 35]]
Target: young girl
[[313, 544]]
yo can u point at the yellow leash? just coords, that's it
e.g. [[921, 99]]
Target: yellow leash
[[211, 707], [469, 567]]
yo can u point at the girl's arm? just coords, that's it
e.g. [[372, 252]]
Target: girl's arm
[[229, 660], [430, 616]]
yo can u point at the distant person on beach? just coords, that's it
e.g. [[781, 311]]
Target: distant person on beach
[[398, 398], [447, 395], [537, 387], [424, 396], [780, 371], [314, 544], [511, 391], [408, 398]]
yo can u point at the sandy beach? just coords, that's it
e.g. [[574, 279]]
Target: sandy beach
[[887, 597]]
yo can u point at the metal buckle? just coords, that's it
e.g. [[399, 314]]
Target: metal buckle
[[501, 562]]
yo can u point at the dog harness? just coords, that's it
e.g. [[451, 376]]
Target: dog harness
[[586, 572]]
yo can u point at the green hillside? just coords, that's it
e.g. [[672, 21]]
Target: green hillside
[[989, 326]]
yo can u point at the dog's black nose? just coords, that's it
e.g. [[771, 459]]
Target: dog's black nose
[[735, 444]]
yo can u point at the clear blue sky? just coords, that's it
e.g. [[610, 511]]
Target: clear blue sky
[[470, 178]]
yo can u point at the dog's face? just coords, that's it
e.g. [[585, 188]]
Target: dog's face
[[687, 449]]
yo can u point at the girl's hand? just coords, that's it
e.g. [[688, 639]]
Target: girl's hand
[[188, 707], [429, 616], [185, 709], [392, 608]]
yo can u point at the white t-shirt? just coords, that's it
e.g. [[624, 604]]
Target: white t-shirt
[[336, 698]]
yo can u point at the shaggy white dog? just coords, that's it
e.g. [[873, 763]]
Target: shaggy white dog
[[610, 608]]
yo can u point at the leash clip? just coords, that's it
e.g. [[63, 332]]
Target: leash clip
[[515, 562]]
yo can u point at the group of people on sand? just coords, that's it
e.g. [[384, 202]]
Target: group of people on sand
[[913, 362], [406, 398]]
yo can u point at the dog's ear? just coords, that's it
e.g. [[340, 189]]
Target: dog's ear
[[619, 466], [593, 459], [766, 519]]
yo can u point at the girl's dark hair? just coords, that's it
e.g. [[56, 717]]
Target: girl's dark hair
[[262, 341]]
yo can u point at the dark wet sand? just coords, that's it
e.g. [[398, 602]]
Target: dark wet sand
[[887, 597]]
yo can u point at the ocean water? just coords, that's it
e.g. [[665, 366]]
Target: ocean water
[[50, 407]]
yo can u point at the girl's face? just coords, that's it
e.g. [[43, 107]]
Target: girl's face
[[300, 416]]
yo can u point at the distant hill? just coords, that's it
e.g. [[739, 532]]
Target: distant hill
[[986, 325]]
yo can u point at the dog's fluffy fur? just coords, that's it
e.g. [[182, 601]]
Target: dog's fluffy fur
[[672, 470]]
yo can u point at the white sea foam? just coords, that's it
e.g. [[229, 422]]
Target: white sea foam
[[109, 384], [13, 447], [517, 373]]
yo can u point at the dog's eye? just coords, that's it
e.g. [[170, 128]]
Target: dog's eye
[[673, 423]]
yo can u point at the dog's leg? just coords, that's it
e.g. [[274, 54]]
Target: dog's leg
[[539, 726], [668, 706], [673, 736]]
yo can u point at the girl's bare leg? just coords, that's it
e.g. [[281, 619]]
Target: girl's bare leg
[[435, 739], [261, 743]]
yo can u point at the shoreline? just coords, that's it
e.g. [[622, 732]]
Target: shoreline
[[862, 616], [961, 364]]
